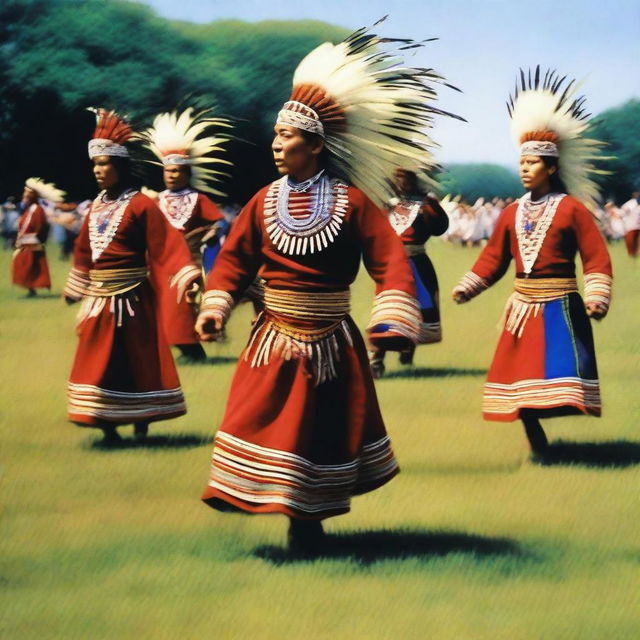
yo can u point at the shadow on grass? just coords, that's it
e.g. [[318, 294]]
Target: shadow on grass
[[437, 372], [208, 361], [41, 296], [368, 547], [178, 441], [620, 453]]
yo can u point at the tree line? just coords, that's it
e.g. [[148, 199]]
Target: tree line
[[58, 58]]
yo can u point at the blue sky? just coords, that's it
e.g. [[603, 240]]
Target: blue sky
[[482, 44]]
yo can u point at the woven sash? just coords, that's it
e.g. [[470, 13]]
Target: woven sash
[[529, 297]]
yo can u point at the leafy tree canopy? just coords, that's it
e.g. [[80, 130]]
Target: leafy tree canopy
[[620, 129], [473, 181], [57, 58]]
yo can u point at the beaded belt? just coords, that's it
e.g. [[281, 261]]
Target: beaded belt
[[529, 297], [105, 283], [304, 305], [414, 249], [278, 331]]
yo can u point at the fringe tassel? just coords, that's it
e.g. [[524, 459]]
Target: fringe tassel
[[321, 353], [516, 314], [120, 305]]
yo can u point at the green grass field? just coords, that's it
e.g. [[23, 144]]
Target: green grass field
[[470, 542]]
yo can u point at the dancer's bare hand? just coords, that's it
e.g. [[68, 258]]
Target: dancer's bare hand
[[595, 311], [209, 326], [459, 295]]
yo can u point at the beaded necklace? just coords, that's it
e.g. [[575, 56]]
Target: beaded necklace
[[104, 219], [178, 206], [403, 213], [318, 221], [533, 219]]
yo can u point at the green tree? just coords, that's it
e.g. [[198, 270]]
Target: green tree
[[620, 129], [473, 181], [57, 58]]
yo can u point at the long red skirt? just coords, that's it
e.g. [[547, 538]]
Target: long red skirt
[[550, 368], [288, 445], [123, 370], [30, 269]]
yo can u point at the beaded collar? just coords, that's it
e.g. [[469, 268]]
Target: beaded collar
[[178, 206], [533, 220], [104, 219], [403, 212], [327, 205]]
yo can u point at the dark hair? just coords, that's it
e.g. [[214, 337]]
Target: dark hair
[[555, 179], [126, 171], [312, 139]]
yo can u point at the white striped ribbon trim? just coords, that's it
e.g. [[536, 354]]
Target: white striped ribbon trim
[[507, 398], [184, 278], [400, 311], [263, 475], [597, 289], [94, 401]]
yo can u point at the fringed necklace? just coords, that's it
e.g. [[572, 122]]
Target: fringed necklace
[[305, 217], [533, 219], [178, 206], [104, 219], [403, 212]]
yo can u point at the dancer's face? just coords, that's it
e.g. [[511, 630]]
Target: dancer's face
[[176, 176], [534, 173], [29, 195], [294, 154], [405, 181], [105, 172]]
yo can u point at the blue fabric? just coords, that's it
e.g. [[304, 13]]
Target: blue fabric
[[560, 358], [209, 257], [424, 297]]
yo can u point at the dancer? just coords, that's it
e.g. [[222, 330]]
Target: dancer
[[545, 364], [415, 217], [302, 432], [177, 141], [29, 268], [123, 371]]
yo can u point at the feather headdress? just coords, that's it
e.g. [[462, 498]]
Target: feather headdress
[[111, 133], [46, 190], [372, 110], [178, 139], [548, 120]]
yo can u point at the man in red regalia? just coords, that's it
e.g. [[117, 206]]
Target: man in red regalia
[[303, 432], [186, 155], [29, 268], [123, 371]]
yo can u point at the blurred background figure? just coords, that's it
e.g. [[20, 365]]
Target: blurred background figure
[[631, 216], [10, 215], [189, 155], [29, 267], [415, 217]]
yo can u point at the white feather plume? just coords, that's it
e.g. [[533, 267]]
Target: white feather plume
[[388, 110], [46, 190], [182, 133], [549, 105]]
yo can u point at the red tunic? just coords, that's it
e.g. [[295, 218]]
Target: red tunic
[[302, 431], [415, 221], [123, 369], [545, 358], [193, 219], [29, 267]]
